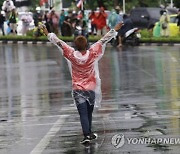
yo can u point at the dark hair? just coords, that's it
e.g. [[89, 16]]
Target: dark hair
[[162, 11], [80, 43], [125, 16]]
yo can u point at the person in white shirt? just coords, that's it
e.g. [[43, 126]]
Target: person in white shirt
[[7, 7]]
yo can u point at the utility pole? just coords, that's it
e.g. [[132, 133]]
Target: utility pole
[[51, 3], [124, 6], [171, 3]]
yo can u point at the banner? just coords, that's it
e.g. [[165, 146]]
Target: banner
[[41, 2], [80, 4]]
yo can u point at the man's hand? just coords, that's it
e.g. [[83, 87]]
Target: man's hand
[[44, 29], [118, 26]]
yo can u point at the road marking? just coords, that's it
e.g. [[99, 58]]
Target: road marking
[[174, 59], [47, 138]]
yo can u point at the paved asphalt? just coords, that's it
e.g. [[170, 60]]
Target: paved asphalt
[[140, 111]]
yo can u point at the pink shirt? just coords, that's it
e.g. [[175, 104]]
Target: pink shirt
[[83, 72], [84, 67]]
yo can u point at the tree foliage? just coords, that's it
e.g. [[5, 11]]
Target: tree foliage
[[177, 3], [1, 3], [109, 4], [33, 4]]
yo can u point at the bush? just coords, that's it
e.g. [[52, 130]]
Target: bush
[[29, 33], [146, 33], [146, 36]]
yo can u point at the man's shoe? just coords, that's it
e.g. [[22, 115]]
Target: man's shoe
[[86, 140], [93, 136]]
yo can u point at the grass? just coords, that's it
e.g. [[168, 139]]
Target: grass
[[146, 37], [42, 38], [161, 39]]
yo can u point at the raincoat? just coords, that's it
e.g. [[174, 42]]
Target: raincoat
[[84, 67], [164, 24], [8, 5], [114, 18], [26, 20]]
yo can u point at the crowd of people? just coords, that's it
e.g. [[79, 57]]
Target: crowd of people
[[10, 16], [72, 23], [93, 22], [65, 23]]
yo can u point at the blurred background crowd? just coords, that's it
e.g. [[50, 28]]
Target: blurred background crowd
[[78, 20]]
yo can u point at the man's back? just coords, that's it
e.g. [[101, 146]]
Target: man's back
[[83, 66]]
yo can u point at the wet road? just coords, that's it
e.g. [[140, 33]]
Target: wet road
[[141, 99]]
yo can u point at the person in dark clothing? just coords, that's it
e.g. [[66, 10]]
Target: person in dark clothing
[[37, 16], [178, 19], [2, 19], [128, 24], [66, 28], [47, 23], [13, 21]]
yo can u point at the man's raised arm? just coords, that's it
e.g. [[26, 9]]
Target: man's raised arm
[[52, 37], [64, 48]]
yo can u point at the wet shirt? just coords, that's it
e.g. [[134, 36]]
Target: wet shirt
[[84, 67]]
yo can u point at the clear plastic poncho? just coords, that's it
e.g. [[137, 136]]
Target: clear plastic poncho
[[84, 67]]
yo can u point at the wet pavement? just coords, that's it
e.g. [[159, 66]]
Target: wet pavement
[[141, 99]]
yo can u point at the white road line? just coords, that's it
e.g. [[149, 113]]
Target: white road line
[[47, 138], [174, 59]]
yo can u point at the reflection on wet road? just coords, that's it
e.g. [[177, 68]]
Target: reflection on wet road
[[141, 98]]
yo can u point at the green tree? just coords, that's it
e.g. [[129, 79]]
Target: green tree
[[129, 3], [34, 4], [92, 4], [1, 3], [177, 3], [139, 3]]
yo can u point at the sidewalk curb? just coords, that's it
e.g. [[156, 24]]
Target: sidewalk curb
[[47, 42], [23, 42], [159, 44]]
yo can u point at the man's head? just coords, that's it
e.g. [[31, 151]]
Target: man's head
[[101, 9], [118, 9], [80, 43]]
